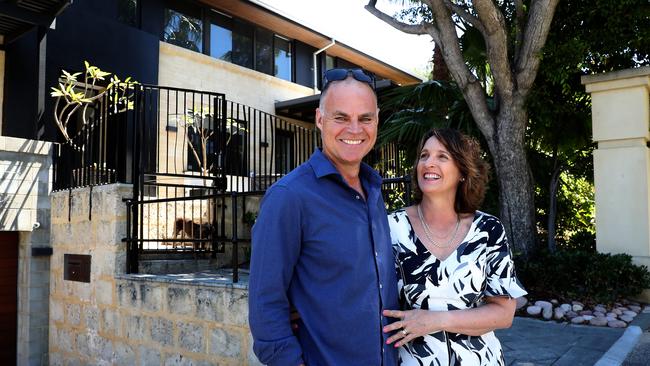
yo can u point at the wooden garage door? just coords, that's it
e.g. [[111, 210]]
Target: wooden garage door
[[8, 296]]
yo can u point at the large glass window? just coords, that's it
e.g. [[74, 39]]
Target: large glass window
[[282, 58], [220, 42], [183, 30], [264, 51], [226, 38], [242, 44]]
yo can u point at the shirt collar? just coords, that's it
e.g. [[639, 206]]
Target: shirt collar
[[322, 166]]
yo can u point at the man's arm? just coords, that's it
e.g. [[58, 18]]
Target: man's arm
[[276, 240]]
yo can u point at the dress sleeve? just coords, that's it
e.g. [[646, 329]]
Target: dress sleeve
[[501, 276]]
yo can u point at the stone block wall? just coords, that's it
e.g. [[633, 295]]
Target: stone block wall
[[129, 319], [25, 185]]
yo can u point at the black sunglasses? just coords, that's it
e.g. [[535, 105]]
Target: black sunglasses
[[342, 74]]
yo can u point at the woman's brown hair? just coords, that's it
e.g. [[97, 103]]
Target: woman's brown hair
[[466, 153]]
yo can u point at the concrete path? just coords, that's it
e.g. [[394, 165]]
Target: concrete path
[[532, 342]]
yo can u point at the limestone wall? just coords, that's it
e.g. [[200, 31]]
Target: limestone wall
[[24, 174], [120, 319], [25, 184], [621, 123], [2, 83], [621, 128]]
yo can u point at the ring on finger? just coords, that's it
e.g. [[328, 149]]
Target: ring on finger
[[405, 332]]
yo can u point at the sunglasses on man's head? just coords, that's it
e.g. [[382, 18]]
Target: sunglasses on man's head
[[342, 74]]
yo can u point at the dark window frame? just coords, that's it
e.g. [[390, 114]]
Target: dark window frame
[[189, 10], [209, 16]]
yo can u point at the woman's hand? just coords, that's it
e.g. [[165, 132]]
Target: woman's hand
[[412, 324]]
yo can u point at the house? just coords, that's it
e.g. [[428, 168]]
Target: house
[[224, 107], [24, 185]]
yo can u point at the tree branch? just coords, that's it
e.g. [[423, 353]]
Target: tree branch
[[469, 85], [465, 15], [496, 39], [419, 29], [535, 34], [519, 22]]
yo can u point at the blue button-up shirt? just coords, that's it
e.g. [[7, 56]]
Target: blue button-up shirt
[[319, 246]]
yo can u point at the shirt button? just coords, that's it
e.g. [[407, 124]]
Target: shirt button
[[380, 286], [357, 197], [376, 255]]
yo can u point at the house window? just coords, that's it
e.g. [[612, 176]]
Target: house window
[[264, 51], [283, 144], [235, 162], [242, 44], [329, 62], [202, 142], [127, 12], [183, 30], [282, 58], [229, 39], [220, 42], [236, 147]]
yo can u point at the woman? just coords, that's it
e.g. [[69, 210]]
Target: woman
[[454, 264]]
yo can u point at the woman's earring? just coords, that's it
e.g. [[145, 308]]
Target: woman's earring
[[462, 179]]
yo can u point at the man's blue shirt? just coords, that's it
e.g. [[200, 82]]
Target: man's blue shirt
[[319, 246]]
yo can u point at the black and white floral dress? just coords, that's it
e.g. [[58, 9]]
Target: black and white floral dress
[[481, 266]]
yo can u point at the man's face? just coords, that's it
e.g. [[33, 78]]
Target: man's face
[[348, 120]]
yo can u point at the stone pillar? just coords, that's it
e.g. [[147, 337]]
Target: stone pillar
[[25, 185], [620, 114], [2, 84]]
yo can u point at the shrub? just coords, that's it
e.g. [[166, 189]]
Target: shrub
[[582, 275]]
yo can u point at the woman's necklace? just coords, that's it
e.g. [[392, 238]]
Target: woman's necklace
[[427, 230]]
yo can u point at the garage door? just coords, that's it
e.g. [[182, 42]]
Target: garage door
[[8, 296]]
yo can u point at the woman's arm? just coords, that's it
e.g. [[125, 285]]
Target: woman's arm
[[496, 313]]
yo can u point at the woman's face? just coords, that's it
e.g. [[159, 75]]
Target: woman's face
[[437, 171]]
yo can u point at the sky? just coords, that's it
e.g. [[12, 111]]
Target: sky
[[347, 21]]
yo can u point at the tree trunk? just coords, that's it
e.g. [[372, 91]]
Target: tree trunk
[[516, 194]]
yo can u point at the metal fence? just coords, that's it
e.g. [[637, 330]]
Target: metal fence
[[199, 165]]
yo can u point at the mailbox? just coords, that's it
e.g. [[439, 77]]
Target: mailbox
[[76, 267]]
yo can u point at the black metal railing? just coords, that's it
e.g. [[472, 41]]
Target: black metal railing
[[199, 165], [93, 155]]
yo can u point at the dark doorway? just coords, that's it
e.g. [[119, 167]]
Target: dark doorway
[[8, 296]]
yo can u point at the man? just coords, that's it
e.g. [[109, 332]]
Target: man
[[321, 244]]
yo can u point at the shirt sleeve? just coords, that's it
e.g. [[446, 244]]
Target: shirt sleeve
[[276, 241], [501, 277]]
